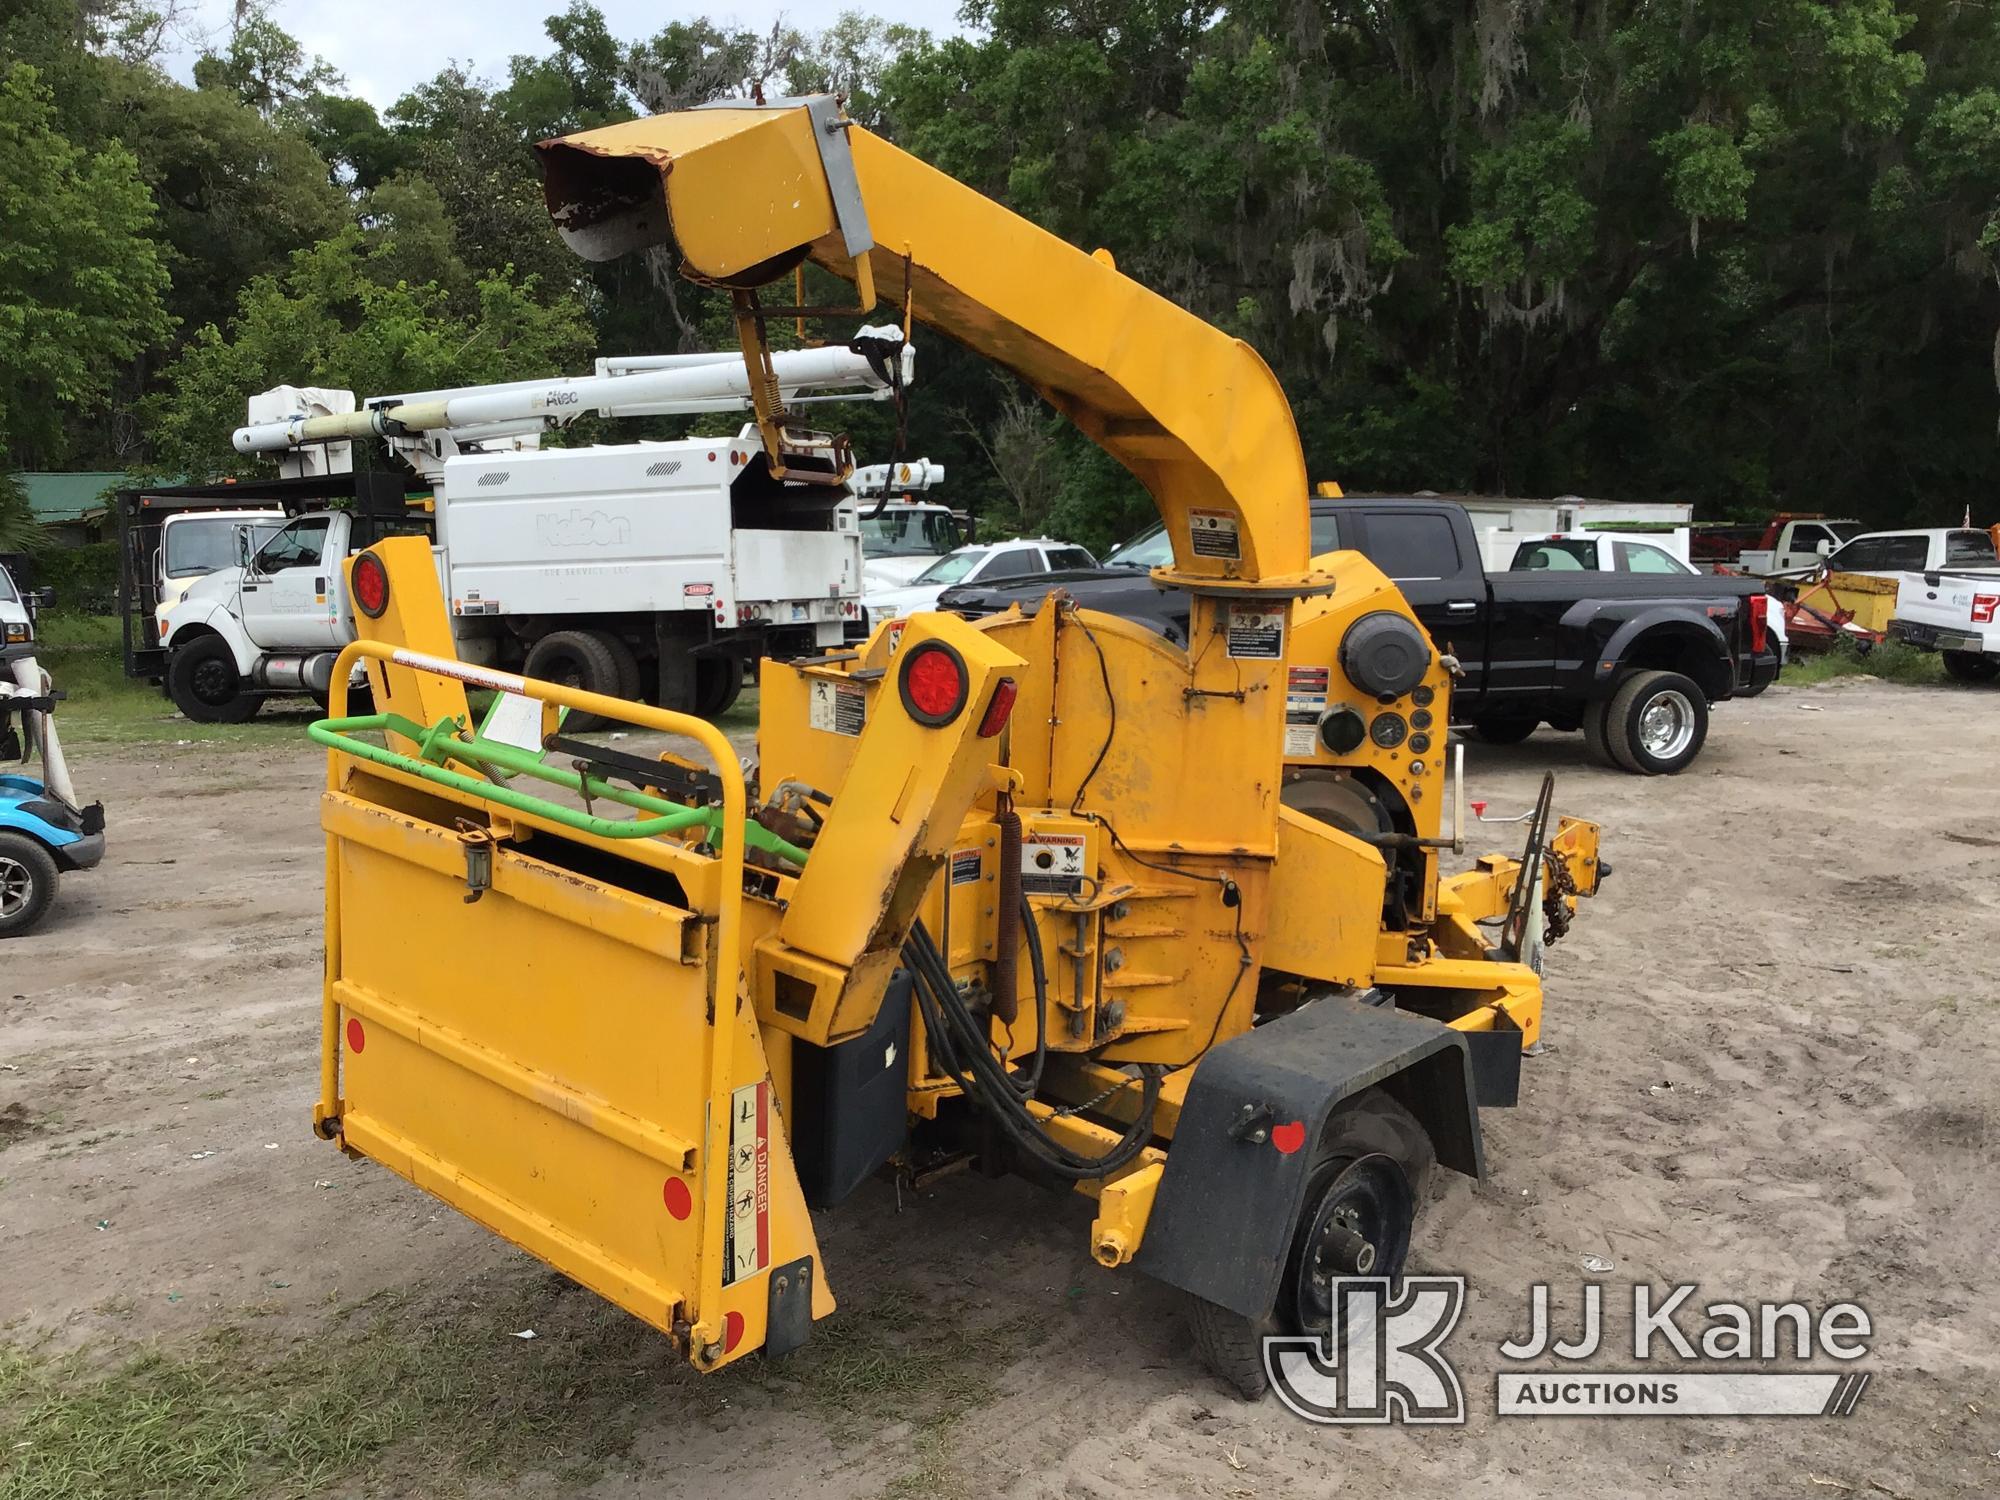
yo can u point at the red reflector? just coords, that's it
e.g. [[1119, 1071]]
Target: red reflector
[[998, 708], [934, 685], [1760, 622], [371, 585]]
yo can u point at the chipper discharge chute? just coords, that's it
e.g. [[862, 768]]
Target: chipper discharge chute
[[1165, 926]]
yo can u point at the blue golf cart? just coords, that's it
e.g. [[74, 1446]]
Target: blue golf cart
[[43, 831]]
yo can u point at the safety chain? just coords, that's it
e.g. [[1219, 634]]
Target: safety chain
[[1557, 913]]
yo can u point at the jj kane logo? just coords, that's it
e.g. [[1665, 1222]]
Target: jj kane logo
[[1383, 1358]]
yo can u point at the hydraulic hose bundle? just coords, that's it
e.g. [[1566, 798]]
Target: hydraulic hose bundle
[[962, 1045]]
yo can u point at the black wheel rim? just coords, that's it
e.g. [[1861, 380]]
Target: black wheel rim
[[214, 681], [1360, 1227]]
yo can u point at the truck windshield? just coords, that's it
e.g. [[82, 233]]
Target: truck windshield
[[8, 593], [1149, 549], [900, 532], [950, 569], [202, 544], [1555, 556], [1968, 549]]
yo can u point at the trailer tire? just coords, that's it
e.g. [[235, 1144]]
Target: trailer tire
[[718, 683], [206, 687], [28, 879], [1500, 731], [1971, 666], [578, 659], [1656, 723], [1370, 1141]]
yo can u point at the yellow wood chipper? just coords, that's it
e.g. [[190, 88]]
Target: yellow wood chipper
[[1163, 926]]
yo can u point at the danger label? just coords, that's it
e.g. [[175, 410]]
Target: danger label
[[1256, 633], [1052, 864], [747, 1239], [837, 707], [1305, 697], [1215, 533], [965, 867]]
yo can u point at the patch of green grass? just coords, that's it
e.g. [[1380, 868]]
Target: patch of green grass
[[1891, 661], [434, 1399], [431, 1399], [85, 656]]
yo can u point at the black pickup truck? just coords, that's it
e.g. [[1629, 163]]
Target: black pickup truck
[[1634, 660]]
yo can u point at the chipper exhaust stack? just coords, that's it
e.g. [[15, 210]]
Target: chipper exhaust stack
[[1165, 926]]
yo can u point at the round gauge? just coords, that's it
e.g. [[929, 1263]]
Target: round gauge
[[1388, 730], [1420, 744], [1422, 696], [1421, 719]]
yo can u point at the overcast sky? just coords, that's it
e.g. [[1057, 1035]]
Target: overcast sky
[[385, 49]]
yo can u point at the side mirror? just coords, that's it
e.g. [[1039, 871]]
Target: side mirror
[[1823, 547], [41, 599]]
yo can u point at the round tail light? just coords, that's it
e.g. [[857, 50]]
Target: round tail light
[[370, 581], [933, 684]]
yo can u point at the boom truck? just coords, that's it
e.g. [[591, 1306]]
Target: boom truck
[[645, 570], [1163, 925]]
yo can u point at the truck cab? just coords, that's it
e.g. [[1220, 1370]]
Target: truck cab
[[1885, 554], [1794, 544], [193, 544], [17, 621], [271, 624], [903, 538]]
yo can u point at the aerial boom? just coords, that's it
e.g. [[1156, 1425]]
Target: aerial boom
[[877, 359], [749, 193]]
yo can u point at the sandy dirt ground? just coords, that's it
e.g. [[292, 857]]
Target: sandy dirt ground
[[1773, 1046]]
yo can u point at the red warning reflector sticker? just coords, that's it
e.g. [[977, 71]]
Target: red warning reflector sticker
[[679, 1201], [747, 1237], [357, 1039]]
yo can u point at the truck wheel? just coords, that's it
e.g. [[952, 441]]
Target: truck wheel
[[577, 659], [28, 879], [1656, 723], [1367, 1180], [1498, 731], [718, 683], [1595, 741], [629, 687], [203, 682], [1971, 666]]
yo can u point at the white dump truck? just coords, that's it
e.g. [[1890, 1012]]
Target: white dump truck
[[651, 569]]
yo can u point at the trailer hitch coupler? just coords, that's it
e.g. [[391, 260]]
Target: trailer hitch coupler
[[1007, 934]]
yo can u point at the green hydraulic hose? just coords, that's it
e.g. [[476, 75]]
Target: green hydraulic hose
[[443, 741]]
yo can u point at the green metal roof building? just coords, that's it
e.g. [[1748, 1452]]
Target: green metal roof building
[[73, 507]]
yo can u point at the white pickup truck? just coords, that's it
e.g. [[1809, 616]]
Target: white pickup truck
[[625, 570], [1954, 615]]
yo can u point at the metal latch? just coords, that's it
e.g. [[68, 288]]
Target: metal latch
[[478, 844]]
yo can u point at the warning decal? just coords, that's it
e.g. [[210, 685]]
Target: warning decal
[[1305, 697], [965, 867], [1301, 741], [1256, 632], [747, 1237], [837, 707], [1214, 533], [1052, 864]]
